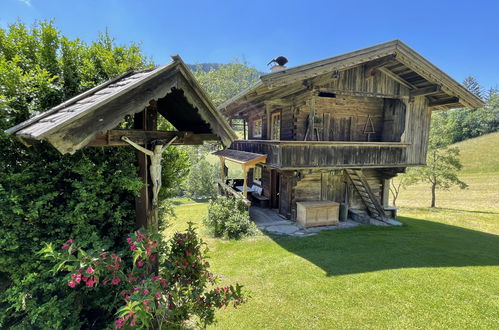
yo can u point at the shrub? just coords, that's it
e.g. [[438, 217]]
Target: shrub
[[229, 218], [184, 288]]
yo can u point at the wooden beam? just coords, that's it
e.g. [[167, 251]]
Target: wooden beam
[[113, 137], [436, 103], [231, 191], [370, 67], [425, 91], [245, 182], [397, 78], [362, 94]]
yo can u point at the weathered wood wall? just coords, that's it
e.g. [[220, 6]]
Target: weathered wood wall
[[358, 80], [294, 154], [417, 130], [342, 118], [315, 185]]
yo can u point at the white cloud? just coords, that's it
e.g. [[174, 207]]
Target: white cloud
[[26, 2]]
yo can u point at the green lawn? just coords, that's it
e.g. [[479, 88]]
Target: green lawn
[[439, 271]]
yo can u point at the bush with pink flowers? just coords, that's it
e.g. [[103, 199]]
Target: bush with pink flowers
[[157, 285]]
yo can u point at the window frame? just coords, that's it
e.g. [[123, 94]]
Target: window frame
[[272, 118], [255, 181], [253, 124]]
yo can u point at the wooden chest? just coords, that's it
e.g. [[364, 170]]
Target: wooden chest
[[320, 213]]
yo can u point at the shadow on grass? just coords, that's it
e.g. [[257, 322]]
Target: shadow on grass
[[444, 209], [419, 243]]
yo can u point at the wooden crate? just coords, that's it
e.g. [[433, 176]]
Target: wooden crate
[[320, 213]]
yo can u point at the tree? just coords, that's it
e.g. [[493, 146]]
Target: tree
[[442, 162], [46, 196], [201, 180], [402, 181], [221, 83], [473, 86], [226, 80]]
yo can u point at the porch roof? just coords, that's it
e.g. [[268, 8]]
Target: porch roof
[[241, 157]]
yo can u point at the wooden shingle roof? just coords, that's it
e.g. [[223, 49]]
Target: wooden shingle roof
[[241, 157], [74, 123], [403, 65]]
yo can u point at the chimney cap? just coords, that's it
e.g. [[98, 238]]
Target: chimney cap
[[281, 61]]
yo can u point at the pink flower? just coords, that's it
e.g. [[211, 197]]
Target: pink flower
[[155, 278], [123, 293], [129, 240], [78, 278], [65, 246], [140, 263], [73, 275], [145, 292], [90, 282], [113, 256], [90, 270], [115, 281], [72, 283], [153, 257], [69, 241], [119, 323], [163, 283], [158, 295], [133, 247], [132, 323]]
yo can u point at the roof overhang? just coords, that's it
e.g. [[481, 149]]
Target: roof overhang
[[394, 58], [73, 124], [241, 157]]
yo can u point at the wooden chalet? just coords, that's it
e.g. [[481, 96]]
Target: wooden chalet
[[93, 118], [339, 129]]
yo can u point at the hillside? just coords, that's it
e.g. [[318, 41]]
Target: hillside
[[480, 155], [476, 207]]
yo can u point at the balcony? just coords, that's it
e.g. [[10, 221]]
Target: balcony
[[324, 154]]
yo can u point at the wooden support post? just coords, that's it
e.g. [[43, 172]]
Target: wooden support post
[[146, 216], [245, 183], [244, 129], [222, 170], [268, 108], [385, 198]]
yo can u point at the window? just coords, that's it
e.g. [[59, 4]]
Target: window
[[275, 132], [257, 128], [257, 175]]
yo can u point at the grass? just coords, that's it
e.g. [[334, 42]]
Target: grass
[[439, 271], [476, 207], [423, 275]]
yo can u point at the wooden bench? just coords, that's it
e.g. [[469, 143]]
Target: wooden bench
[[263, 201]]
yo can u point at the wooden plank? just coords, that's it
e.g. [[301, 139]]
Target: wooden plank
[[397, 78], [435, 103], [232, 192], [434, 89], [113, 137], [370, 67]]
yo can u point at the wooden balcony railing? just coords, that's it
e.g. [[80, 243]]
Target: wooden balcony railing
[[302, 154]]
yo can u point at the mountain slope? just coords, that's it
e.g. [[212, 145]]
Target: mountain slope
[[480, 154]]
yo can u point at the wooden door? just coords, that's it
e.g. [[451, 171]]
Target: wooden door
[[285, 195], [274, 188]]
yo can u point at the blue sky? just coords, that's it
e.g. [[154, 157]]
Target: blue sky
[[460, 37]]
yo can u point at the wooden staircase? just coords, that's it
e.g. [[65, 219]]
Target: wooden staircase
[[362, 186]]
